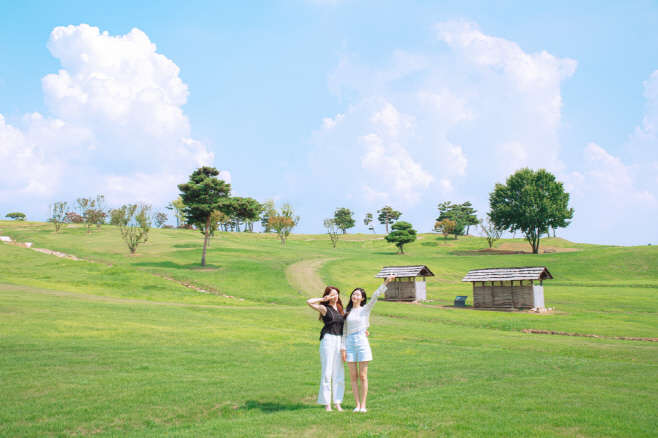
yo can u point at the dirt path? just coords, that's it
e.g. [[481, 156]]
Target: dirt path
[[304, 277]]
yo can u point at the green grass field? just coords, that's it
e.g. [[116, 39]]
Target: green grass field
[[115, 348]]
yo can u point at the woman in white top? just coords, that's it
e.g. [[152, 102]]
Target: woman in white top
[[354, 345]]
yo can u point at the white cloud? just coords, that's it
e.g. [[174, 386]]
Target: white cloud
[[434, 124], [372, 196], [226, 176], [643, 144], [605, 195], [395, 164], [328, 122], [370, 145], [116, 125]]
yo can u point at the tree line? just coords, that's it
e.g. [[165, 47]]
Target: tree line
[[532, 202]]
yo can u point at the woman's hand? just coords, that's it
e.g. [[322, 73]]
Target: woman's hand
[[367, 333], [343, 353], [389, 279]]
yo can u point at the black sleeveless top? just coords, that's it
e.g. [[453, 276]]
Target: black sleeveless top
[[333, 323]]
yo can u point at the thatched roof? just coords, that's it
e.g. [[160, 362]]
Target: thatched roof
[[405, 271], [509, 274]]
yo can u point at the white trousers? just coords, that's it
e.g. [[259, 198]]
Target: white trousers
[[333, 371]]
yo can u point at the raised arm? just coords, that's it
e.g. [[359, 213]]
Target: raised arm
[[368, 307], [315, 304]]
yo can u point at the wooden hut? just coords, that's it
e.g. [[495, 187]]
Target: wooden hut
[[407, 286], [509, 287]]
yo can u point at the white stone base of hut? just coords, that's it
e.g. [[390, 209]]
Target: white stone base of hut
[[406, 291]]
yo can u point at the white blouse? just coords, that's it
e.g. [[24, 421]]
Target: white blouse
[[358, 319]]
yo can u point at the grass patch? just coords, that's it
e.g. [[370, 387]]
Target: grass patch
[[112, 348]]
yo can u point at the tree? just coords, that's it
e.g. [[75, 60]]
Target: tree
[[178, 207], [16, 216], [490, 232], [160, 219], [246, 210], [368, 222], [202, 195], [92, 211], [445, 227], [388, 216], [220, 220], [250, 213], [456, 213], [145, 220], [284, 222], [343, 219], [268, 210], [116, 216], [74, 218], [332, 230], [402, 234], [217, 219], [57, 214], [99, 214], [470, 216], [129, 226], [531, 202]]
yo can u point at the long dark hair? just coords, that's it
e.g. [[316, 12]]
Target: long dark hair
[[364, 298], [339, 303]]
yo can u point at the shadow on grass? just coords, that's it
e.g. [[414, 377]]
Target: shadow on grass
[[172, 265], [273, 407]]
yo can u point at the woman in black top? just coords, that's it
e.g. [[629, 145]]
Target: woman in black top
[[333, 371]]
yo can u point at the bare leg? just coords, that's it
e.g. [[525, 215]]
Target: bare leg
[[363, 378], [354, 380]]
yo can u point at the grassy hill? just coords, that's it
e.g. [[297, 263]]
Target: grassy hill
[[115, 345]]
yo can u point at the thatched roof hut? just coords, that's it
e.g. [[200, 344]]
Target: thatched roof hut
[[509, 287], [406, 287]]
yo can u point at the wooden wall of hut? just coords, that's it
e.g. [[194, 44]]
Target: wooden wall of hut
[[402, 289], [509, 294]]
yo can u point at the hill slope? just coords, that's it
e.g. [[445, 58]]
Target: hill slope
[[120, 347]]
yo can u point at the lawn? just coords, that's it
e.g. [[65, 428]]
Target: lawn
[[115, 348]]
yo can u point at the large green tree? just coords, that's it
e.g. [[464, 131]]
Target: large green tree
[[343, 219], [401, 234], [531, 202], [202, 195]]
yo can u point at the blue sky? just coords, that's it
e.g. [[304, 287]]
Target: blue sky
[[329, 104]]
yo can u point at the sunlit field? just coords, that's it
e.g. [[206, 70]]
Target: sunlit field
[[116, 345]]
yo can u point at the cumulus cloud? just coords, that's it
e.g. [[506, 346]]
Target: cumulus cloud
[[643, 143], [609, 194], [441, 122], [606, 195], [115, 126]]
